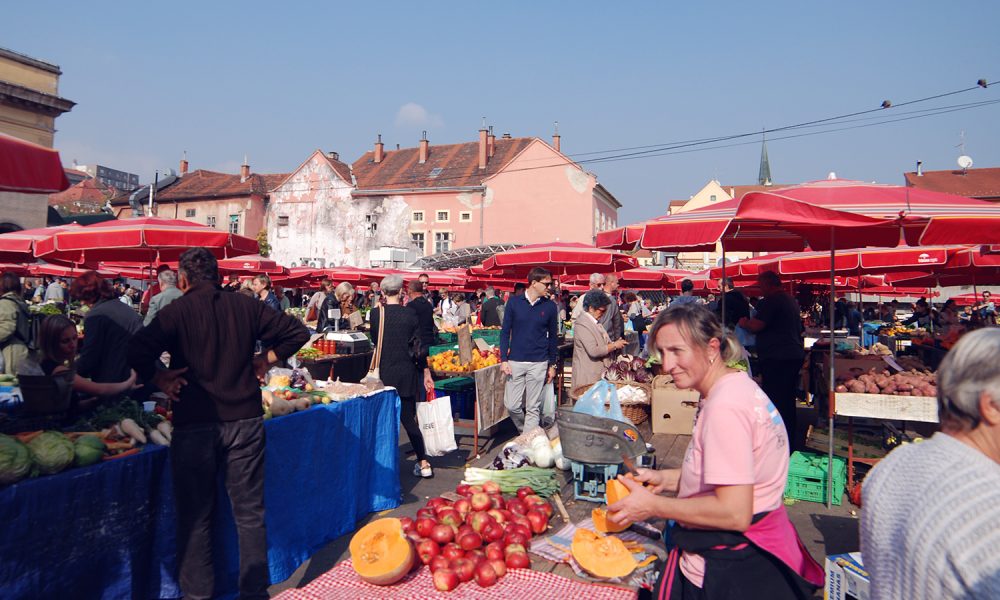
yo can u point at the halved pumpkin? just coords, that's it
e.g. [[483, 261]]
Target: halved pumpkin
[[602, 555], [614, 491], [381, 553], [603, 524]]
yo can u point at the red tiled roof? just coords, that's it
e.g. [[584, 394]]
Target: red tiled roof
[[737, 191], [342, 169], [88, 190], [209, 184], [974, 183], [459, 164]]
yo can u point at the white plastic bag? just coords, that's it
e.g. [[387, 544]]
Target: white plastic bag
[[548, 405], [437, 426]]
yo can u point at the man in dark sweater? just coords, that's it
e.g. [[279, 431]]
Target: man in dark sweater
[[420, 305], [778, 326], [213, 381], [528, 349], [489, 312]]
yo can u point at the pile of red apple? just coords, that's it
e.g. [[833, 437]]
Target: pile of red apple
[[479, 536]]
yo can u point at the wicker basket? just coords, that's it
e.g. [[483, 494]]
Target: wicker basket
[[637, 413]]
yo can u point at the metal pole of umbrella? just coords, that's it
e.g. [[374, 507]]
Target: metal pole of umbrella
[[722, 301], [831, 384]]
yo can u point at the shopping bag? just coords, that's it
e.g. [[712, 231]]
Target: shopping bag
[[437, 426], [601, 400], [548, 405]]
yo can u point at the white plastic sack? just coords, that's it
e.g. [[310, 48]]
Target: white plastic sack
[[437, 426], [548, 405]]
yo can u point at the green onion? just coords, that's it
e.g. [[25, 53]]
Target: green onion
[[543, 481]]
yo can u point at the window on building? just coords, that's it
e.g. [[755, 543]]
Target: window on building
[[189, 212], [711, 198], [465, 217], [210, 221], [597, 220], [443, 216], [282, 226], [418, 241], [234, 224], [442, 241], [418, 216]]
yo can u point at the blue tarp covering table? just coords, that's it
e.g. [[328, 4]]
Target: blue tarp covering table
[[107, 531]]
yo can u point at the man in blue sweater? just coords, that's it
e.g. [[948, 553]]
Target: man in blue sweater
[[528, 349]]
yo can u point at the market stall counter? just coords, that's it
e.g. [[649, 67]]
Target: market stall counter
[[107, 531]]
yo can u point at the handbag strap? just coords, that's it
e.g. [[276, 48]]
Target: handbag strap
[[377, 355]]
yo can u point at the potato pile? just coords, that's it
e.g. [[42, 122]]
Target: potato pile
[[905, 383]]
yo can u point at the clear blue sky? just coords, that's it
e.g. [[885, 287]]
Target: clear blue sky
[[274, 81]]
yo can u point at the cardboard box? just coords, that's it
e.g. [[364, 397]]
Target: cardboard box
[[672, 409], [846, 578]]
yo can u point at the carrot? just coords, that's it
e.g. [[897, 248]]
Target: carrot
[[123, 454], [27, 436], [119, 445]]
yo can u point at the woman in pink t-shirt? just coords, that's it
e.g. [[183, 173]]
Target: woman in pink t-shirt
[[732, 534]]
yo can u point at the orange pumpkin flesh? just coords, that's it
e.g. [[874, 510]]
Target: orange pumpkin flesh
[[381, 553], [614, 491], [603, 524], [602, 556]]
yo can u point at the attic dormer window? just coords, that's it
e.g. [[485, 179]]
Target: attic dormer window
[[435, 172]]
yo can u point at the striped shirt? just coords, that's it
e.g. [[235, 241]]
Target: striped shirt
[[930, 522]]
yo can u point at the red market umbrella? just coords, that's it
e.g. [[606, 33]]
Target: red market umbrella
[[862, 260], [620, 238], [561, 258], [977, 265], [21, 246], [13, 268], [145, 240], [30, 168], [640, 278], [926, 218], [65, 271], [252, 263]]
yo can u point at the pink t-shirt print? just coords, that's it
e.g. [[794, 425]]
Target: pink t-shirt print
[[738, 439]]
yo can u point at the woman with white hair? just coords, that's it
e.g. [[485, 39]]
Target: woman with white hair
[[930, 522], [398, 368], [342, 298]]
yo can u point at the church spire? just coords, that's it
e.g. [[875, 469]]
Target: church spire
[[764, 175]]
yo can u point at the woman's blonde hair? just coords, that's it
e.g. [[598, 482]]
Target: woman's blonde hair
[[343, 289], [697, 326]]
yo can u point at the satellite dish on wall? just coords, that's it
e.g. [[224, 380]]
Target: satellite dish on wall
[[964, 162]]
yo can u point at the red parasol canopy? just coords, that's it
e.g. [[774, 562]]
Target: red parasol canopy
[[926, 218], [863, 260], [64, 271], [21, 246], [144, 240], [30, 168], [561, 258], [640, 278], [252, 263], [16, 269]]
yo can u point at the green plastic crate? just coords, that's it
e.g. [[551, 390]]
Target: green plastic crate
[[490, 336], [442, 348], [447, 338], [807, 477]]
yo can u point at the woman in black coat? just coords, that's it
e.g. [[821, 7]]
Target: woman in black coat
[[398, 368]]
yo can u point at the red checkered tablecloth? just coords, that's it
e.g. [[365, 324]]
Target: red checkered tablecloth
[[341, 582]]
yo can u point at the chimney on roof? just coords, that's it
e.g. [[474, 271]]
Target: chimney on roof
[[920, 168], [424, 147], [244, 170], [491, 143], [333, 155], [184, 164], [379, 150], [483, 143], [556, 138], [506, 136]]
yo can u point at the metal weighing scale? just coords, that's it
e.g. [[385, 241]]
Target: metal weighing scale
[[350, 342], [595, 447]]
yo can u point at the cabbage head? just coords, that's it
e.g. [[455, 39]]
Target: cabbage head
[[52, 452], [89, 450], [15, 460]]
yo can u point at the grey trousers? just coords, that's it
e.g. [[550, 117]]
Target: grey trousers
[[523, 393]]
